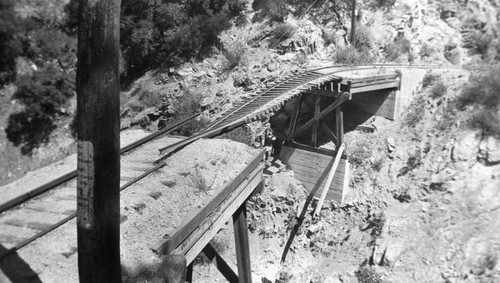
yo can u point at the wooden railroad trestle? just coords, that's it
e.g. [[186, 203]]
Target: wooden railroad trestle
[[202, 225]]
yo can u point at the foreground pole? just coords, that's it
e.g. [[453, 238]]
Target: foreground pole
[[353, 23], [98, 129]]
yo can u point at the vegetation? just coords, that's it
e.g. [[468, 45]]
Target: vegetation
[[396, 49], [415, 112], [185, 106], [366, 274], [44, 95], [438, 90], [483, 95], [172, 31], [199, 181], [351, 56], [429, 79]]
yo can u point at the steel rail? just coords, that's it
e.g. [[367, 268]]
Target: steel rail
[[71, 175], [225, 123]]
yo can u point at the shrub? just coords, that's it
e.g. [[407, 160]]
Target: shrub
[[281, 33], [43, 94], [385, 3], [483, 90], [438, 90], [367, 274], [187, 105], [415, 112], [199, 181], [487, 120], [426, 50], [235, 51], [429, 79], [360, 153], [10, 45], [363, 39], [378, 163], [351, 56], [396, 49]]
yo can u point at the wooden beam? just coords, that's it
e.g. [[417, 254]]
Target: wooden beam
[[329, 132], [340, 99], [220, 263], [166, 246], [295, 114], [355, 89], [189, 273], [242, 246], [310, 148], [329, 180], [317, 109], [322, 92], [339, 126], [217, 222]]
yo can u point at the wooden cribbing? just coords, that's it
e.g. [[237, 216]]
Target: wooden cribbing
[[329, 180], [200, 221]]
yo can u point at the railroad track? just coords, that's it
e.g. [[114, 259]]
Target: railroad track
[[25, 219], [42, 210], [257, 105]]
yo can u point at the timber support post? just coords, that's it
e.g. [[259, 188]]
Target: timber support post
[[242, 246], [353, 23], [98, 131]]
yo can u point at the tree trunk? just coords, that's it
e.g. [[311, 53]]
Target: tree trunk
[[98, 130]]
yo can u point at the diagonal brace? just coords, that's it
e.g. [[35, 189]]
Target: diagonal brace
[[340, 99]]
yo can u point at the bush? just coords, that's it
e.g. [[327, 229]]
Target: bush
[[396, 49], [483, 90], [415, 112], [174, 32], [488, 121], [367, 274], [438, 90], [360, 153], [351, 56], [363, 39], [281, 33], [10, 45], [429, 79], [185, 106], [199, 181], [43, 94], [234, 51]]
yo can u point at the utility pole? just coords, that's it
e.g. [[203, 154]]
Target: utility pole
[[98, 131], [353, 23]]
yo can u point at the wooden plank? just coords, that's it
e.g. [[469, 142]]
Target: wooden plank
[[375, 87], [340, 99], [310, 148], [339, 126], [310, 166], [329, 180], [317, 109], [373, 78], [295, 115], [218, 222], [322, 92], [166, 246], [220, 263], [242, 246]]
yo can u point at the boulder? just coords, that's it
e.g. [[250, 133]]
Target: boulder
[[465, 148], [493, 150], [393, 251]]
